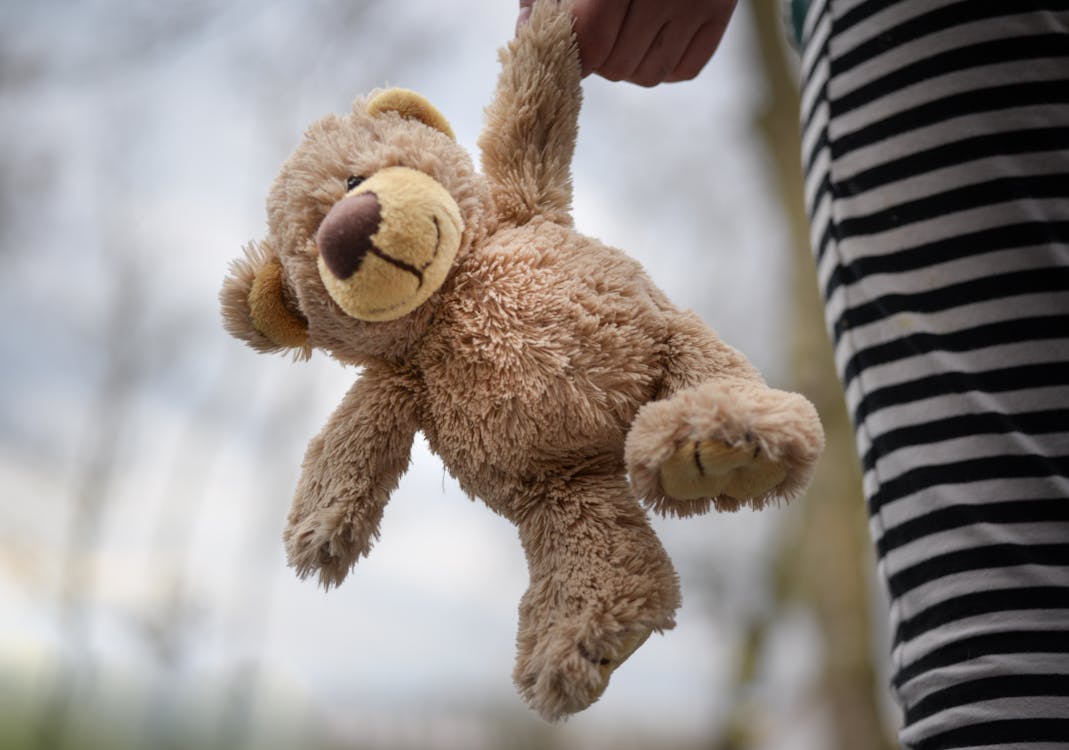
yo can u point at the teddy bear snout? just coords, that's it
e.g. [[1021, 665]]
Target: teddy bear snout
[[388, 245], [344, 237]]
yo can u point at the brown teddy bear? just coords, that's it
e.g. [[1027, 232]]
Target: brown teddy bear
[[544, 368]]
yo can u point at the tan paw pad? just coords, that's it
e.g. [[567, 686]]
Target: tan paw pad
[[710, 468]]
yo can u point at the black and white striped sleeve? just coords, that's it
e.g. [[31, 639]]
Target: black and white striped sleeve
[[936, 146]]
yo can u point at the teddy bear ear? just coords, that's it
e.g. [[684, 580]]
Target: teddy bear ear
[[409, 105], [259, 308]]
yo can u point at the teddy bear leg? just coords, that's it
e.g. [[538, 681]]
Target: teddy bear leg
[[725, 444], [600, 584]]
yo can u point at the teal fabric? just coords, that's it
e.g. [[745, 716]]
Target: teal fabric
[[798, 10]]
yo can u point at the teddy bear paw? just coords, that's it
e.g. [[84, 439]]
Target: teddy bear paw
[[322, 544], [562, 675]]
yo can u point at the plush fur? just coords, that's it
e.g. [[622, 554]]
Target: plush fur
[[543, 367]]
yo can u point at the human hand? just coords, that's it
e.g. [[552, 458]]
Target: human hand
[[646, 41]]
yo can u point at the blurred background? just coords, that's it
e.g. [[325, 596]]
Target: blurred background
[[147, 460]]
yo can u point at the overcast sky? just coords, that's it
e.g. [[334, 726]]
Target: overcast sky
[[137, 154]]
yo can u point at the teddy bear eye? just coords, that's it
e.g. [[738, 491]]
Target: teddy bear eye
[[353, 182]]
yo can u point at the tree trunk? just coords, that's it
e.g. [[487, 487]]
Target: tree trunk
[[827, 564]]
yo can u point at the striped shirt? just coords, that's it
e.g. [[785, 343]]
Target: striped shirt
[[936, 147]]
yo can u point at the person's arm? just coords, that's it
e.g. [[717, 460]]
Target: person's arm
[[646, 41]]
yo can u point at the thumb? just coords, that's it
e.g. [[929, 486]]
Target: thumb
[[525, 13]]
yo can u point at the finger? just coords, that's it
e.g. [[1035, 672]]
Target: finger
[[525, 13], [663, 55], [699, 51], [597, 24], [641, 27]]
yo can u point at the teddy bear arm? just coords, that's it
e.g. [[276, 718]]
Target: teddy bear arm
[[349, 472], [529, 136]]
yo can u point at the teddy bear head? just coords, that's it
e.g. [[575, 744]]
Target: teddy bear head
[[367, 220]]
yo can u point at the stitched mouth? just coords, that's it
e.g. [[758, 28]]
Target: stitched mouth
[[408, 267]]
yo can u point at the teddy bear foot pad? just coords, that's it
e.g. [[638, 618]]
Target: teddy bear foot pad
[[563, 677], [711, 468]]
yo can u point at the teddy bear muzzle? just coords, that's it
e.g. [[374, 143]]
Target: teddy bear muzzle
[[388, 245]]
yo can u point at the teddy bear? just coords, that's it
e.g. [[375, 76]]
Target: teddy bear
[[554, 380]]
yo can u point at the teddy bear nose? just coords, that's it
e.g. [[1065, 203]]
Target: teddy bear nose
[[344, 237]]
